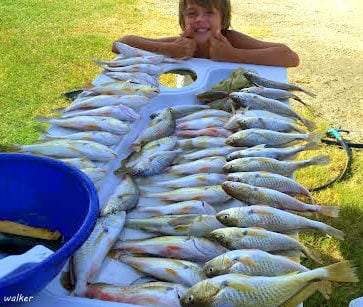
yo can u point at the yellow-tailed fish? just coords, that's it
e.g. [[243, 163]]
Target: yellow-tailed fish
[[251, 262], [208, 152], [272, 93], [285, 168], [204, 114], [185, 207], [273, 219], [182, 110], [79, 163], [180, 247], [263, 196], [260, 81], [201, 123], [135, 77], [235, 290], [124, 197], [197, 225], [149, 59], [65, 149], [161, 294], [210, 194], [172, 270], [88, 259], [95, 173], [258, 238]]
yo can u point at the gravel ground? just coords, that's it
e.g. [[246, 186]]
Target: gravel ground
[[327, 35]]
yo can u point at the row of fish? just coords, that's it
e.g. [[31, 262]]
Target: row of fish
[[197, 225]]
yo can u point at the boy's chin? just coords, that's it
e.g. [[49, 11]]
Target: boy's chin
[[202, 37]]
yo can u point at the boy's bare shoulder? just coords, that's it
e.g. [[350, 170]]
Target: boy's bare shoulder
[[244, 41]]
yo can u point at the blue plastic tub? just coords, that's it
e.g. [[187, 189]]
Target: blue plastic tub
[[44, 192]]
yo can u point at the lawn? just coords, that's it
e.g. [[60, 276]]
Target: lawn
[[46, 49]]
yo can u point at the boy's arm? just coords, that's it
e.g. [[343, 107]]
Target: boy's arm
[[177, 47], [245, 49]]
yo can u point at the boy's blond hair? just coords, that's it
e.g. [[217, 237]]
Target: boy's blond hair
[[223, 6]]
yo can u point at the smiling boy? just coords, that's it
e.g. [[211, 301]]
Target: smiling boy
[[206, 34]]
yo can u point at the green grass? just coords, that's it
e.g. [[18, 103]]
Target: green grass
[[46, 49]]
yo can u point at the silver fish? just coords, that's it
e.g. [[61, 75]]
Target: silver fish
[[182, 110], [161, 294], [204, 114], [124, 197], [194, 180], [149, 59], [273, 219], [185, 207], [254, 136], [172, 270], [262, 196], [261, 150], [120, 112], [201, 142], [102, 137], [253, 101], [271, 181], [89, 123], [285, 168], [87, 260], [123, 88], [208, 152], [260, 81], [212, 131], [252, 262], [197, 225], [65, 149], [235, 290], [258, 238], [79, 162], [205, 165], [161, 126], [211, 194], [138, 77], [179, 247]]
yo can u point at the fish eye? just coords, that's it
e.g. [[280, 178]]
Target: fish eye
[[225, 216], [211, 269], [221, 236], [190, 299]]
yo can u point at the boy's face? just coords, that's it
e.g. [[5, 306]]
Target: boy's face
[[203, 22]]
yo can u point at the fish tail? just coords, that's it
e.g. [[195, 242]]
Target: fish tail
[[308, 92], [306, 105], [341, 272], [332, 211], [308, 123], [336, 233], [9, 147], [313, 255], [40, 129], [59, 110], [312, 145], [320, 160], [324, 287], [41, 119], [314, 137], [122, 170]]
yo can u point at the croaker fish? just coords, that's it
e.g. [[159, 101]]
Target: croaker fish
[[88, 259], [252, 262], [263, 196], [102, 137], [161, 294], [287, 290], [171, 270], [205, 165], [286, 168], [185, 207], [196, 180], [179, 247], [258, 238], [260, 81], [273, 219]]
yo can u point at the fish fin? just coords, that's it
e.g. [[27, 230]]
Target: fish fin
[[261, 211], [250, 232], [247, 261], [171, 271], [336, 233], [238, 286], [313, 255], [314, 137], [41, 119], [312, 146], [41, 129], [341, 272], [308, 123], [301, 296], [136, 147], [324, 287], [332, 211], [308, 93], [295, 259], [180, 221], [197, 197], [122, 170], [320, 160], [9, 147]]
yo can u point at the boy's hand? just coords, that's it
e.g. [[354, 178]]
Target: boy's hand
[[219, 47], [185, 46]]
